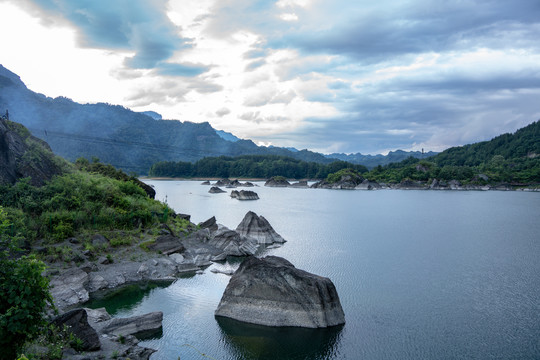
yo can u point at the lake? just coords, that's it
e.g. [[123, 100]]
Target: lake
[[420, 275]]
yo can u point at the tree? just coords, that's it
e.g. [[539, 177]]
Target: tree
[[24, 295]]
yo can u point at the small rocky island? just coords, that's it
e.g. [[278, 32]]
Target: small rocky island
[[272, 292], [244, 195], [258, 228]]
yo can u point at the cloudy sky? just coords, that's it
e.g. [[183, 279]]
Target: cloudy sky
[[328, 75]]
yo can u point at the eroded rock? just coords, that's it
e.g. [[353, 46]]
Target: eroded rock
[[272, 292], [258, 228]]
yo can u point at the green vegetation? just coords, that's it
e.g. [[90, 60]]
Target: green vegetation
[[250, 166], [75, 202], [344, 174], [510, 158], [24, 294]]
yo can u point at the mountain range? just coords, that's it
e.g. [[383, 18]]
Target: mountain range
[[133, 141]]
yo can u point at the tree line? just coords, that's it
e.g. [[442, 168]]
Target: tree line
[[250, 166]]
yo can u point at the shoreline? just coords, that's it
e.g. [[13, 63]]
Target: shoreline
[[419, 185]]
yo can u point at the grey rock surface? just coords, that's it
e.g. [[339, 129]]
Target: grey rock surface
[[69, 288], [77, 321], [167, 244], [216, 190], [258, 228], [272, 292], [244, 195], [277, 182], [139, 326]]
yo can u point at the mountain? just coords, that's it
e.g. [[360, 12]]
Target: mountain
[[154, 115], [116, 135], [134, 141], [227, 136], [371, 161], [523, 144]]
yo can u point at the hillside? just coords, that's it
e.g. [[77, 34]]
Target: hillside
[[23, 155], [134, 141], [126, 139], [524, 143], [507, 158]]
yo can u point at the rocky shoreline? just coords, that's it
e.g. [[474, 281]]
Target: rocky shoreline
[[365, 184], [168, 257]]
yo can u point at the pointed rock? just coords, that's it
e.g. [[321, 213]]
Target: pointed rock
[[259, 229]]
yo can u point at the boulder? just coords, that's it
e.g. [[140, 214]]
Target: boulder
[[258, 228], [77, 321], [368, 185], [235, 183], [209, 224], [248, 184], [300, 184], [205, 182], [215, 190], [167, 244], [244, 195], [272, 292], [222, 182], [139, 326], [232, 243], [277, 181], [69, 289], [99, 240]]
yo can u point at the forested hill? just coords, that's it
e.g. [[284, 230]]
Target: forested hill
[[251, 166], [126, 139], [524, 143], [508, 158]]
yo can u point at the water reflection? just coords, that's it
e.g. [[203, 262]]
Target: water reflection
[[251, 341], [124, 298]]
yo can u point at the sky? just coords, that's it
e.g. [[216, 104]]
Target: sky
[[327, 75]]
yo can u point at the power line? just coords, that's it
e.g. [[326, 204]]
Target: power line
[[116, 142]]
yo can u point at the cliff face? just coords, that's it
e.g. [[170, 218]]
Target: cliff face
[[23, 155]]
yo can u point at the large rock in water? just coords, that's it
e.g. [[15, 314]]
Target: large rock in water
[[272, 292], [244, 195], [259, 229]]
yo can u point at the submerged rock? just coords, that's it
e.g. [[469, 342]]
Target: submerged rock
[[300, 184], [222, 182], [259, 229], [272, 292], [368, 185], [139, 326], [277, 181], [215, 190], [244, 195]]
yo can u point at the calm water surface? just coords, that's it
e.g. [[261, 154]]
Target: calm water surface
[[420, 275]]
